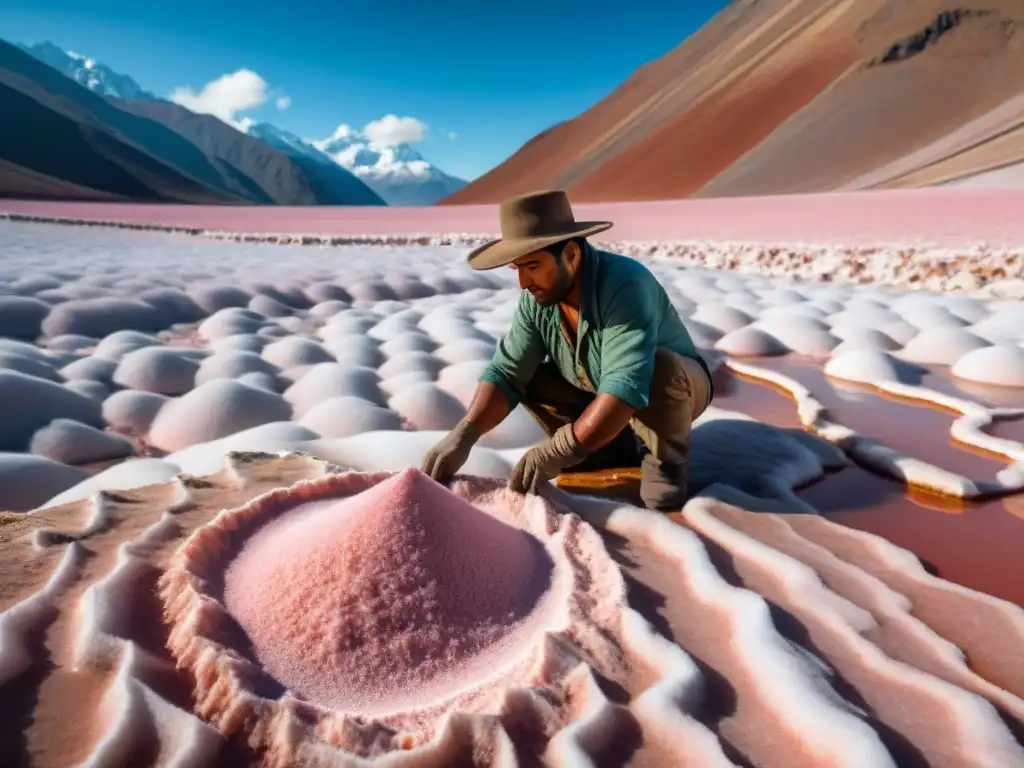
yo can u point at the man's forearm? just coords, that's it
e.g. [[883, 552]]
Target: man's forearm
[[602, 420], [489, 407]]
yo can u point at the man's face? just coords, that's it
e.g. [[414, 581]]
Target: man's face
[[548, 278]]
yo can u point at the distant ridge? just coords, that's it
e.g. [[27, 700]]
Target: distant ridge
[[248, 160]]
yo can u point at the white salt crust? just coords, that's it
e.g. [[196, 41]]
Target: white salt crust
[[417, 358], [981, 732], [396, 355], [914, 266]]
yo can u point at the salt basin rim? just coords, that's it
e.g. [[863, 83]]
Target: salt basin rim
[[529, 223]]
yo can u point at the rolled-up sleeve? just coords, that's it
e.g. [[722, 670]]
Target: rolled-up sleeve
[[628, 344], [517, 355]]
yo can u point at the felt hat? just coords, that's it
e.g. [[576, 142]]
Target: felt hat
[[530, 223]]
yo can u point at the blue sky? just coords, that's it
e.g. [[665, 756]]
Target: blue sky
[[491, 74]]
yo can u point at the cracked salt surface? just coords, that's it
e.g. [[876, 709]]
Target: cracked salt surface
[[206, 357]]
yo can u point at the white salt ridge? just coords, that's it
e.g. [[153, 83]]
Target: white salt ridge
[[133, 709], [900, 566], [28, 617], [99, 637], [664, 710], [982, 735], [129, 474], [892, 610], [802, 700], [100, 519], [578, 744], [135, 712]]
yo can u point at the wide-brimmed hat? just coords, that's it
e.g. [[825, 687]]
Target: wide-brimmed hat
[[529, 223]]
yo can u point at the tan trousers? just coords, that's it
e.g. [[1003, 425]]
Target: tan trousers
[[680, 392]]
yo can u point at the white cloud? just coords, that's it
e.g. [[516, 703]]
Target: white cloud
[[226, 97], [391, 130], [452, 135], [283, 102]]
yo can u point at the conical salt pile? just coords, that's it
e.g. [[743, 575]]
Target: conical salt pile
[[386, 595]]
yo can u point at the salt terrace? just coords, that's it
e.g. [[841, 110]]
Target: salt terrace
[[217, 549]]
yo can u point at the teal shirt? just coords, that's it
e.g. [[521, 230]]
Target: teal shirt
[[625, 316]]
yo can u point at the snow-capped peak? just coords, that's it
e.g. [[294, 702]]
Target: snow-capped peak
[[354, 149], [342, 132], [87, 72], [396, 172]]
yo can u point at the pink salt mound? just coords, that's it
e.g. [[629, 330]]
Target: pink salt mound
[[395, 596]]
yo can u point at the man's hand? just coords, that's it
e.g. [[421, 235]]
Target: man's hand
[[451, 452], [544, 461]]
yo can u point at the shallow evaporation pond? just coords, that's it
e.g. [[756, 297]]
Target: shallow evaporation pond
[[1008, 429], [976, 545], [759, 400], [765, 402], [914, 428]]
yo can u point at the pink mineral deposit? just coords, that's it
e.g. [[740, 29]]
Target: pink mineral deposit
[[374, 600]]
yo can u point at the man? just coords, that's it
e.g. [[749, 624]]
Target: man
[[618, 354]]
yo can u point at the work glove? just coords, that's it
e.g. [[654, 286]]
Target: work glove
[[451, 452], [545, 460]]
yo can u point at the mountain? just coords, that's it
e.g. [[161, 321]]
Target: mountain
[[98, 78], [790, 96], [62, 140], [104, 135], [326, 176], [265, 173], [398, 173]]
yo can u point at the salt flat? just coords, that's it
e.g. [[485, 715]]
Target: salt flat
[[939, 216], [161, 378]]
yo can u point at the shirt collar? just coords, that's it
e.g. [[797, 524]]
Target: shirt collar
[[588, 286]]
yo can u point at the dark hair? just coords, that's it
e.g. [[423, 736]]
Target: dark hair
[[557, 249]]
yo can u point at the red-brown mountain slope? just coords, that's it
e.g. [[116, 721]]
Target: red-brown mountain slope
[[781, 96]]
